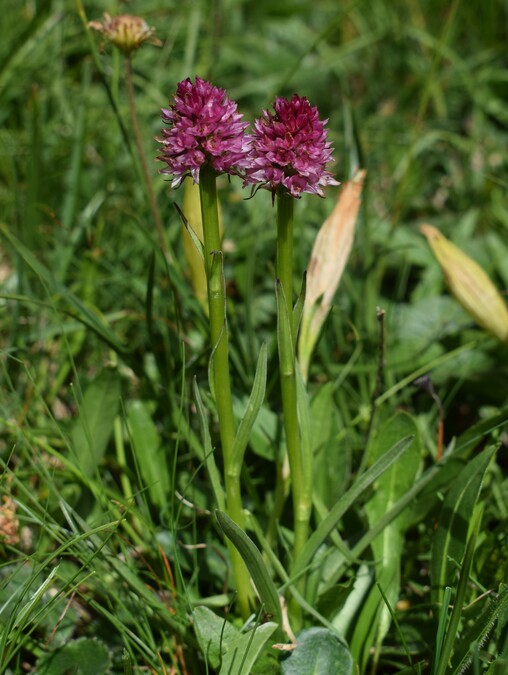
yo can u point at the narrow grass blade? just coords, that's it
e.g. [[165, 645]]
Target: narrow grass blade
[[442, 623], [254, 562], [365, 480]]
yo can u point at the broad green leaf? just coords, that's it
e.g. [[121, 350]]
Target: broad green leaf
[[214, 634], [254, 563], [241, 655], [361, 484], [92, 429], [83, 656], [319, 652], [251, 411], [451, 535], [375, 618], [150, 454]]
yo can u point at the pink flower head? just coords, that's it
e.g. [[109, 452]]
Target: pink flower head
[[289, 149], [206, 128]]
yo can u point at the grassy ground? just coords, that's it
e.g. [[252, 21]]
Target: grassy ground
[[109, 549]]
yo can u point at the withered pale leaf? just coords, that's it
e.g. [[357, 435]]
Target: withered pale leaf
[[327, 262], [470, 284]]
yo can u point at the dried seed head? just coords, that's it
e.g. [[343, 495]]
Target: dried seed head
[[126, 31]]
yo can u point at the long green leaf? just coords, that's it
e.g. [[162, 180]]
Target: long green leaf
[[451, 535], [254, 563], [365, 480]]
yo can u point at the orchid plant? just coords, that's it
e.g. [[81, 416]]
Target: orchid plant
[[286, 153]]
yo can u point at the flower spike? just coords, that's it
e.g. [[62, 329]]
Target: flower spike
[[206, 128], [289, 149]]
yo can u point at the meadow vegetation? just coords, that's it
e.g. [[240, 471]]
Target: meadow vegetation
[[113, 557]]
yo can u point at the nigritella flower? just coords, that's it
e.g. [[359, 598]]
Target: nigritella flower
[[126, 31], [205, 128], [289, 148]]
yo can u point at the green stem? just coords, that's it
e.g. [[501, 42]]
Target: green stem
[[142, 158], [220, 370], [299, 481]]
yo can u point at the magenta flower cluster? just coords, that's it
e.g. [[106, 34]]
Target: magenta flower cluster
[[287, 149], [206, 127]]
